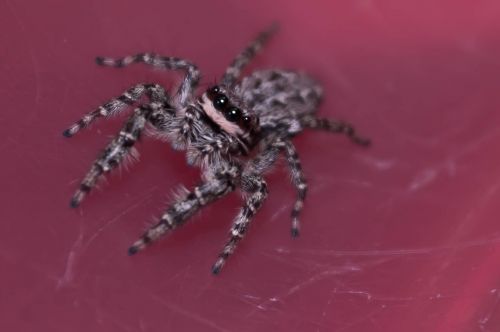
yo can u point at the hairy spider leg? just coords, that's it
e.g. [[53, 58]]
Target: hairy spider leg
[[299, 182], [114, 153], [183, 208], [233, 72], [264, 161], [335, 126], [155, 93], [189, 83], [242, 221]]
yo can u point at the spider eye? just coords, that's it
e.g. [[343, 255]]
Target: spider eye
[[213, 90], [220, 101], [233, 114], [246, 121]]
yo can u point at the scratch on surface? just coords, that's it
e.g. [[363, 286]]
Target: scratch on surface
[[263, 306], [118, 217], [315, 278], [279, 212], [449, 164], [79, 246], [476, 143], [251, 297], [397, 252], [69, 269], [355, 292], [191, 315], [483, 321], [378, 164], [422, 179], [374, 297], [287, 261]]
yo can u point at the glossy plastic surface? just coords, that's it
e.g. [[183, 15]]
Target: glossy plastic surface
[[403, 236]]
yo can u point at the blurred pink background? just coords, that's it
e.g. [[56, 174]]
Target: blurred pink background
[[404, 236]]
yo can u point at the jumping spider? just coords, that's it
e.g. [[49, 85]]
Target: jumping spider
[[234, 132]]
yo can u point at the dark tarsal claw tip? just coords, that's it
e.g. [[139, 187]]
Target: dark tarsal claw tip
[[132, 251], [67, 133], [74, 203], [295, 232], [216, 269], [99, 60]]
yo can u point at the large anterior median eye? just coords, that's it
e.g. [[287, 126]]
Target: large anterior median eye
[[220, 101], [233, 114]]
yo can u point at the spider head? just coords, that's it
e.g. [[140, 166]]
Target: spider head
[[228, 113]]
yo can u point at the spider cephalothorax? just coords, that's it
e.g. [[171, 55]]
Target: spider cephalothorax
[[230, 116], [234, 131]]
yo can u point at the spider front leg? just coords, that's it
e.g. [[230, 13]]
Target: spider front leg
[[258, 194], [335, 126], [234, 70], [184, 207], [115, 152], [187, 86], [155, 93]]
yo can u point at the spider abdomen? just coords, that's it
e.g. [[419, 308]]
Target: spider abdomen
[[278, 96]]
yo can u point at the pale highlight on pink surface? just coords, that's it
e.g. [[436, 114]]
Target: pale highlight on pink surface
[[403, 236]]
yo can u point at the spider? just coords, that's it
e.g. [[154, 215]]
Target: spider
[[234, 132]]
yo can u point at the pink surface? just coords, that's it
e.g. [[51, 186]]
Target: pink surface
[[403, 236]]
